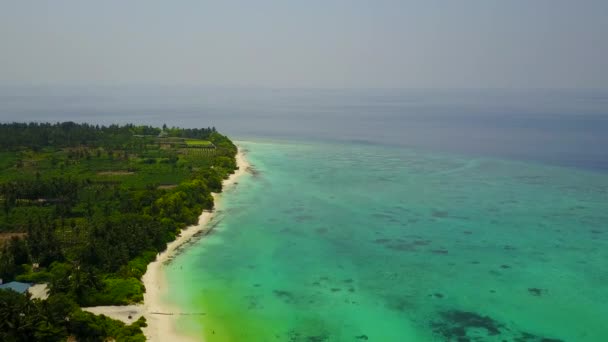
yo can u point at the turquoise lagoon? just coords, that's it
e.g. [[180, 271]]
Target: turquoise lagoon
[[354, 242]]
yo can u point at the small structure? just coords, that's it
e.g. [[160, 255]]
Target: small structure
[[16, 286], [39, 291]]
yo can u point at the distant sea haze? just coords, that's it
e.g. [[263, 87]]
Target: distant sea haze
[[560, 127]]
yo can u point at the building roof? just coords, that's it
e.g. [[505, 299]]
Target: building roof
[[16, 286]]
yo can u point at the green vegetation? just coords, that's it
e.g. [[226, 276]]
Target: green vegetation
[[85, 208], [56, 319], [205, 143]]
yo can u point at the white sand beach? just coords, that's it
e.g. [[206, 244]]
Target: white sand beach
[[159, 314]]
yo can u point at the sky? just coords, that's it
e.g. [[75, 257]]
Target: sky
[[313, 43]]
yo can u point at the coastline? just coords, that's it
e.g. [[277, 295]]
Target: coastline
[[159, 314]]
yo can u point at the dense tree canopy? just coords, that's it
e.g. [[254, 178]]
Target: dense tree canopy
[[68, 134], [85, 208]]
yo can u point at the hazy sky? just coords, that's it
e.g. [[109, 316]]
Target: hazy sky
[[312, 43]]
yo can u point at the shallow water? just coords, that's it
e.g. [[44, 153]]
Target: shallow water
[[351, 242]]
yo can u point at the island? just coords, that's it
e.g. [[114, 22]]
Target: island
[[85, 209]]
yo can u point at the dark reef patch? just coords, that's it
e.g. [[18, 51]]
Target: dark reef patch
[[456, 325], [440, 213], [439, 251], [295, 336], [321, 230], [400, 304], [528, 337], [303, 218], [382, 216], [362, 337], [284, 295], [402, 247], [536, 291]]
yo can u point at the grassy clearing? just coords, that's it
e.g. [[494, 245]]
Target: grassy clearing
[[199, 143], [115, 173]]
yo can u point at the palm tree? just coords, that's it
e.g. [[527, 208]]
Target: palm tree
[[18, 315], [82, 281]]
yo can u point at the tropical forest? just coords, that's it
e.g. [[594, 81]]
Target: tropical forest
[[85, 208]]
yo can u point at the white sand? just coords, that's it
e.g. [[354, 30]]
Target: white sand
[[159, 314]]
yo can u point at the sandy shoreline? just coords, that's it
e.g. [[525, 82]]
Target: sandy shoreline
[[159, 314]]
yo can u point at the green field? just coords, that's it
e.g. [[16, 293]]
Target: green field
[[201, 143]]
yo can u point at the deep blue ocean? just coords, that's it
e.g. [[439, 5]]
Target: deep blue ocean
[[385, 215]]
